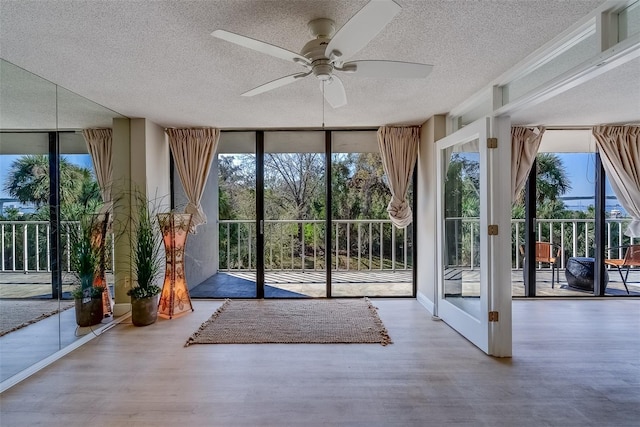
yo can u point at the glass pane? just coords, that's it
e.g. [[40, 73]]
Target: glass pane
[[585, 46], [565, 212], [617, 220], [461, 257], [629, 21], [232, 189], [28, 105], [371, 257], [294, 212], [81, 200]]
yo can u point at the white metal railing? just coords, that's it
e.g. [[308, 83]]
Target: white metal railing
[[26, 246], [574, 237], [300, 245]]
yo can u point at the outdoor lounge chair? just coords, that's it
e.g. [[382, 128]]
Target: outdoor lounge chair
[[631, 259], [545, 254]]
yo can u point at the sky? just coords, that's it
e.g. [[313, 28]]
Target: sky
[[581, 172], [580, 168]]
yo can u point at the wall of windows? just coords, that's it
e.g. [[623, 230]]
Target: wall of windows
[[300, 214]]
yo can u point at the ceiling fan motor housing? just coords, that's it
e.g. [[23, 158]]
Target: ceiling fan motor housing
[[315, 51]]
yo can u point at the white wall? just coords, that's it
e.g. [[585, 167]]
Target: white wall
[[158, 184], [121, 153], [201, 252], [432, 130]]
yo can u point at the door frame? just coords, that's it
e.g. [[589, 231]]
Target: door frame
[[493, 337]]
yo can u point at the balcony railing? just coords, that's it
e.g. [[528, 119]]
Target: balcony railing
[[574, 237], [26, 246], [300, 245]]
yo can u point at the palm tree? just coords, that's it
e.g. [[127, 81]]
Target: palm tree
[[28, 181], [551, 183], [552, 180]]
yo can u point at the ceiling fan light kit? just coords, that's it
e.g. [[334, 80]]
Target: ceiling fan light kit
[[326, 53]]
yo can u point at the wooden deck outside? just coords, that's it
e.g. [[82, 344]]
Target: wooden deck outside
[[344, 283]]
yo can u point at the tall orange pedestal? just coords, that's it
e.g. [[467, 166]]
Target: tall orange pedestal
[[174, 299]]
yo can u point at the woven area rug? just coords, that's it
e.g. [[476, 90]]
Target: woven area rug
[[16, 314], [308, 321]]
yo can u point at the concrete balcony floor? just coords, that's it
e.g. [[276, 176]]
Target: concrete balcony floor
[[312, 284]]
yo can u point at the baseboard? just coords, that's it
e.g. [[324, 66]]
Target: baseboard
[[121, 308], [425, 302]]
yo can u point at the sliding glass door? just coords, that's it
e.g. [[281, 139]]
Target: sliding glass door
[[370, 256], [294, 214], [302, 214], [237, 231]]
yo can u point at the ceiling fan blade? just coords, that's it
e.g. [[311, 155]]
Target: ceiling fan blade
[[393, 69], [361, 29], [333, 91], [260, 46], [282, 81]]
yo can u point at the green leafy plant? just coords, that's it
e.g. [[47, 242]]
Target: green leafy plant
[[85, 256], [147, 263]]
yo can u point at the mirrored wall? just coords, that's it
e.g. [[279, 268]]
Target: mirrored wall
[[40, 133]]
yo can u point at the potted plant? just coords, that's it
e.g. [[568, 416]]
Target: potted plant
[[85, 259], [147, 265]]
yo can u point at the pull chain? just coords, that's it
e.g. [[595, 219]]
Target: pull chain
[[323, 83]]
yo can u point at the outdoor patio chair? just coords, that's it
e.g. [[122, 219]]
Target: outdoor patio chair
[[545, 254], [631, 259]]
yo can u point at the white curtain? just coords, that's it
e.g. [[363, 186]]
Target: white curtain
[[525, 143], [619, 148], [399, 150], [193, 151], [99, 144]]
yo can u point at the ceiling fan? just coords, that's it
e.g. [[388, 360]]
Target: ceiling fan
[[326, 53]]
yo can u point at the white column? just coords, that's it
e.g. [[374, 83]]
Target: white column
[[141, 164], [427, 191], [121, 195]]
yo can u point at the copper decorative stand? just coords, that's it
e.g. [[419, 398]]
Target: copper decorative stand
[[99, 227], [174, 299]]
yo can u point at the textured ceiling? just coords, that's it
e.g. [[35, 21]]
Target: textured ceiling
[[157, 59]]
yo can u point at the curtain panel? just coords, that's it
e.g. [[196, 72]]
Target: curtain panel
[[193, 150], [99, 145], [619, 148], [525, 143], [399, 151]]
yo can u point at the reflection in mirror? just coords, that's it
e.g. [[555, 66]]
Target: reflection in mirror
[[461, 257], [28, 105], [36, 315]]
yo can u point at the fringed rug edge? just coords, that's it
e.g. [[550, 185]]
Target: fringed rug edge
[[386, 338], [217, 313]]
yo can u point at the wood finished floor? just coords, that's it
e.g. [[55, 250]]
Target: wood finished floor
[[576, 363]]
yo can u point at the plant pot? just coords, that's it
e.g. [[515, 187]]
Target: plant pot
[[144, 311], [88, 313]]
